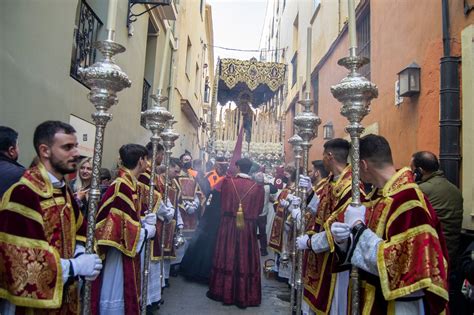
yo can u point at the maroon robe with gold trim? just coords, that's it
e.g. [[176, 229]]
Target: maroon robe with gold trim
[[278, 225], [235, 275], [413, 253], [319, 269], [39, 225], [118, 226]]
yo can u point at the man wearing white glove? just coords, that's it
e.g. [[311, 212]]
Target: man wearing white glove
[[86, 265], [305, 183], [403, 230], [324, 234], [40, 222], [120, 246]]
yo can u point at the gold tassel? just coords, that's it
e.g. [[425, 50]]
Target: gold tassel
[[240, 223]]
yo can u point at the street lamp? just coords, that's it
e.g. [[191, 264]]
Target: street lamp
[[409, 79], [328, 131]]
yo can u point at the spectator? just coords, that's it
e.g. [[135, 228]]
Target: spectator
[[105, 178], [82, 183], [10, 170]]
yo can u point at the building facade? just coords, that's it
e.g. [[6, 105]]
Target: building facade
[[392, 36], [45, 42]]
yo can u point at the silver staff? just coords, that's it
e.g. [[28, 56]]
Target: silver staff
[[155, 119], [105, 79], [168, 136], [295, 142], [307, 123], [355, 93]]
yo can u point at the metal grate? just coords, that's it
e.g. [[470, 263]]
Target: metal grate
[[145, 97], [85, 34]]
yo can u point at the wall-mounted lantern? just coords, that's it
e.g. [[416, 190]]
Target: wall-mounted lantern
[[409, 79], [328, 131]]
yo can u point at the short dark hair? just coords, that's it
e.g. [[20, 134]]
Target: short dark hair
[[318, 164], [104, 173], [175, 162], [149, 148], [186, 152], [44, 132], [426, 160], [339, 149], [131, 153], [376, 149], [244, 165], [8, 138]]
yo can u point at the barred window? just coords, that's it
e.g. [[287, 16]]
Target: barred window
[[145, 97], [86, 28], [363, 40]]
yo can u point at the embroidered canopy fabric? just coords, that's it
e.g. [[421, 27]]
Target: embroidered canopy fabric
[[249, 79]]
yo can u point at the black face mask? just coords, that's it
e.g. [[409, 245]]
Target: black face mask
[[417, 174], [187, 165]]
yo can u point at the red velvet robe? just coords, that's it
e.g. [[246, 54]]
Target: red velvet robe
[[278, 224], [143, 192], [235, 275], [174, 195], [39, 225], [319, 269], [413, 255], [118, 226]]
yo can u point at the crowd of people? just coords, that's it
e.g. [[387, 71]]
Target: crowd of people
[[217, 222]]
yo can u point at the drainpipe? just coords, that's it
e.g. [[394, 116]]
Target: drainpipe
[[450, 122]]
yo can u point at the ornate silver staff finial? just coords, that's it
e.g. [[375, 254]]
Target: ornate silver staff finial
[[169, 136], [307, 123], [105, 78], [355, 93], [295, 142], [155, 119]]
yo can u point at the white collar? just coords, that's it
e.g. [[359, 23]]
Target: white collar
[[243, 175], [56, 182]]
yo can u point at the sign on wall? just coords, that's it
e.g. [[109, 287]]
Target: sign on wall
[[85, 132]]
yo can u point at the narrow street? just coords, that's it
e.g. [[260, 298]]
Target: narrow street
[[185, 297]]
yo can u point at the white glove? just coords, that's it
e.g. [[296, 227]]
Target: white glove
[[305, 183], [354, 214], [150, 219], [313, 204], [162, 210], [80, 249], [169, 214], [295, 202], [87, 265], [196, 201], [295, 213], [302, 242], [340, 231], [150, 229], [190, 207], [284, 203]]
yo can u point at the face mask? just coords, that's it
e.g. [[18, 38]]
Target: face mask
[[187, 165]]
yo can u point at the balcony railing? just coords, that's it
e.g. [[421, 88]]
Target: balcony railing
[[85, 34]]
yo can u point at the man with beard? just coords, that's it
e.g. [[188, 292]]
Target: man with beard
[[120, 235], [42, 231], [397, 244], [325, 284], [318, 172], [10, 170]]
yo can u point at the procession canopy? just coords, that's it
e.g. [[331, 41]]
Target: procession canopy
[[254, 80]]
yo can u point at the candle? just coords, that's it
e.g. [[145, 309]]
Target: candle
[[111, 15], [308, 62], [164, 59], [352, 27]]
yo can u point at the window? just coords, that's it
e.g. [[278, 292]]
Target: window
[[363, 40], [188, 59], [145, 96], [294, 69], [315, 86], [197, 81], [201, 7], [85, 34]]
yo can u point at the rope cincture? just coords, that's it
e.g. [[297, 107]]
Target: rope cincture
[[240, 221]]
